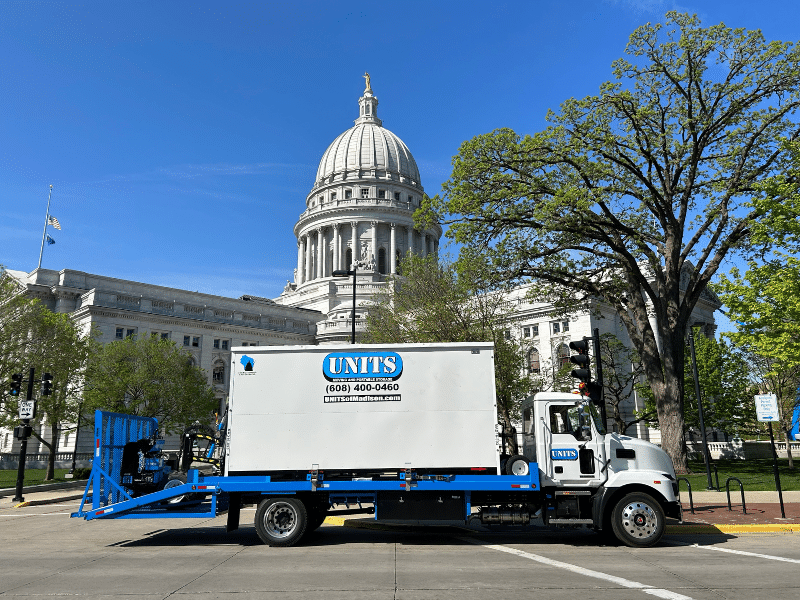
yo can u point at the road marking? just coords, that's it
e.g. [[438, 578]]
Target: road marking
[[627, 583], [741, 552], [34, 514]]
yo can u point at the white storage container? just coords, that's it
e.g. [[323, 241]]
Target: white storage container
[[362, 407]]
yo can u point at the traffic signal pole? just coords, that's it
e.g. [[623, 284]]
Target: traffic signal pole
[[23, 447]]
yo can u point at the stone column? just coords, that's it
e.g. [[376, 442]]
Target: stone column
[[410, 238], [320, 254], [308, 275], [392, 249], [336, 247], [375, 242], [423, 239], [354, 240], [299, 277]]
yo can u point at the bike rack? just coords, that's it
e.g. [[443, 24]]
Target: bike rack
[[728, 491], [689, 486]]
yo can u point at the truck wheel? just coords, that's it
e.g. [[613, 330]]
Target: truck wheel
[[281, 521], [517, 465], [175, 479], [638, 521]]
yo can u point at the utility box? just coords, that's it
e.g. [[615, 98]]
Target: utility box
[[362, 407]]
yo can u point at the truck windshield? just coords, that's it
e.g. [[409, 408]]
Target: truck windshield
[[598, 422]]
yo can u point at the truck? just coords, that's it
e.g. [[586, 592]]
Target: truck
[[409, 429]]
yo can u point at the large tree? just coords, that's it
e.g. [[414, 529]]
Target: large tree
[[438, 301], [149, 377], [31, 336], [638, 194]]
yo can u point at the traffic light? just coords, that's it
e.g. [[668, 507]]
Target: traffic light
[[581, 359], [47, 384], [16, 382]]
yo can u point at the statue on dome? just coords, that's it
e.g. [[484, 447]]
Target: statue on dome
[[368, 88]]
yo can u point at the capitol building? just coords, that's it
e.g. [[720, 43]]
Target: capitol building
[[358, 214]]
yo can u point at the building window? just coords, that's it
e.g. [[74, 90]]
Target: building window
[[365, 192], [165, 336], [218, 374], [534, 330], [563, 356], [507, 334], [534, 365], [130, 333], [348, 260], [565, 326], [195, 342], [333, 195], [526, 332], [186, 340], [216, 344], [225, 344], [382, 261], [382, 194], [556, 327], [120, 333], [249, 343], [411, 200], [348, 193], [397, 196]]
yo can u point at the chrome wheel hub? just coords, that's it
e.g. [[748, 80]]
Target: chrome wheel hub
[[280, 520], [639, 520]]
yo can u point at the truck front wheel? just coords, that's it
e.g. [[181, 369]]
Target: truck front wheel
[[638, 520], [281, 521]]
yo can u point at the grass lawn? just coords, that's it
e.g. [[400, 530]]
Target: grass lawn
[[755, 474], [8, 477]]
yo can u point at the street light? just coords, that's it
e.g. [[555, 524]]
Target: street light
[[345, 273]]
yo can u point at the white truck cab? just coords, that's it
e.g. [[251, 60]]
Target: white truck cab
[[607, 480]]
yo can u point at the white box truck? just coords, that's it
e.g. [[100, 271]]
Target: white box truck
[[410, 429]]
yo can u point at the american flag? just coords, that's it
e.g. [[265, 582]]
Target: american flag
[[54, 222]]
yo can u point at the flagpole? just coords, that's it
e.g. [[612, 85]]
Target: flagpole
[[44, 233]]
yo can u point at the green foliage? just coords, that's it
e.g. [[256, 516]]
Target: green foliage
[[622, 372], [439, 301], [659, 177], [149, 377], [34, 337]]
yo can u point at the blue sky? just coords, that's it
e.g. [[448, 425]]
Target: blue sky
[[181, 139]]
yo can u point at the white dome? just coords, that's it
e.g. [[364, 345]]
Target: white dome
[[367, 150], [368, 147]]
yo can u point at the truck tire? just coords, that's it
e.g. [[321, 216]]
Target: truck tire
[[281, 521], [638, 520], [175, 479], [517, 465]]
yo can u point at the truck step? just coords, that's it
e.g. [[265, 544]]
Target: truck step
[[570, 521]]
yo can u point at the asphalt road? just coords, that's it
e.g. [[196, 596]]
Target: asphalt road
[[44, 553]]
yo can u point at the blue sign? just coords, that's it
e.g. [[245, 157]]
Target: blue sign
[[564, 454], [362, 366], [247, 362]]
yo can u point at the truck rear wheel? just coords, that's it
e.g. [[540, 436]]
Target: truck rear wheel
[[281, 521], [638, 520]]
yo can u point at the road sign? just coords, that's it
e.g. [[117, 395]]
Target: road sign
[[27, 409], [767, 407]]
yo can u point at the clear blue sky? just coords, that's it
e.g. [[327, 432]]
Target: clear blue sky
[[181, 138]]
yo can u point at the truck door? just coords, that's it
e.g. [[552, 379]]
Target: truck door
[[574, 454]]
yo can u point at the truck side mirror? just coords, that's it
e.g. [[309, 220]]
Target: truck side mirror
[[585, 427]]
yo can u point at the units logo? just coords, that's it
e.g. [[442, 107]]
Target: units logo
[[362, 366], [564, 454]]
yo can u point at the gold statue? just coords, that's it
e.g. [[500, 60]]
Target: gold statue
[[368, 88]]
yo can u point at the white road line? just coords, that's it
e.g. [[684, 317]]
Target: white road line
[[34, 514], [741, 552], [647, 589]]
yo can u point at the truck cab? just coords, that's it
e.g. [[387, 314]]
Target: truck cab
[[591, 477]]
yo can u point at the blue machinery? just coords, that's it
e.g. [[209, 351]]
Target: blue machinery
[[119, 439]]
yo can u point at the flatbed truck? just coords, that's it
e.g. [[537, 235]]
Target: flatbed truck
[[411, 429]]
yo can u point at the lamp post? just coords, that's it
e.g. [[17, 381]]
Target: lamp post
[[345, 273]]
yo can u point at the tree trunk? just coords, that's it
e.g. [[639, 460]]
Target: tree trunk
[[510, 434], [670, 417], [53, 447]]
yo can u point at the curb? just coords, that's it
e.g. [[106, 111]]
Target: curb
[[49, 501], [718, 529]]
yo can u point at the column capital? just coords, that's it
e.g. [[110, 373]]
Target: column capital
[[392, 225], [336, 226]]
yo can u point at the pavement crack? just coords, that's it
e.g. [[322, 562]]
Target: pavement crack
[[215, 567], [701, 585]]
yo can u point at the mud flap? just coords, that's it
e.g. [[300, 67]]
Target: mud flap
[[234, 508]]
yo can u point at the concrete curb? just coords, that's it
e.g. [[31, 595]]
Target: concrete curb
[[45, 487], [50, 501], [718, 529]]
